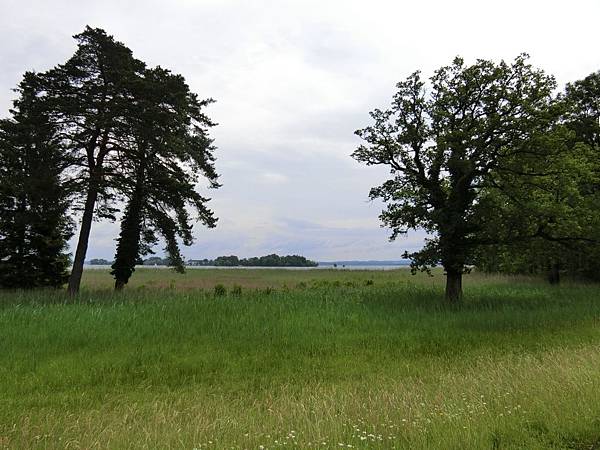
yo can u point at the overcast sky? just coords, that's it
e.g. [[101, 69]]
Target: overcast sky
[[293, 80]]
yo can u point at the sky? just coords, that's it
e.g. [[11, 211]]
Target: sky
[[292, 81]]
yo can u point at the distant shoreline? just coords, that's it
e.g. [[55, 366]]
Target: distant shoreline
[[321, 266], [402, 262]]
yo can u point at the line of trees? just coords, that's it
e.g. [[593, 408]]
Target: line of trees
[[272, 260], [96, 134], [501, 171]]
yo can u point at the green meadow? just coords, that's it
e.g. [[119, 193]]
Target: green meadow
[[257, 359]]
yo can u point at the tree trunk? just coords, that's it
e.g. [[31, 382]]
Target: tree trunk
[[554, 273], [84, 236], [119, 284], [453, 286]]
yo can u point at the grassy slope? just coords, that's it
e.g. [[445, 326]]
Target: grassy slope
[[329, 361]]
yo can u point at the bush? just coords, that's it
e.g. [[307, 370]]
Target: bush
[[220, 290], [236, 290]]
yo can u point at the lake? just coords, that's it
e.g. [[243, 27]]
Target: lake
[[319, 267]]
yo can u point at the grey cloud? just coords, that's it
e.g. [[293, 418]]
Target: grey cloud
[[293, 79]]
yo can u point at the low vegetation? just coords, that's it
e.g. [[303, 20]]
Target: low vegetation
[[300, 359]]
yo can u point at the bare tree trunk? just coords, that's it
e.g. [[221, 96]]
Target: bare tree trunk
[[84, 236], [453, 286]]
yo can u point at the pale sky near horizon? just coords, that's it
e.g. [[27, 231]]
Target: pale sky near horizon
[[293, 80]]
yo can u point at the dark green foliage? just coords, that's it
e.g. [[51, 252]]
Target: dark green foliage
[[443, 144], [220, 290], [132, 134], [99, 262], [169, 150], [88, 99], [229, 261], [128, 244], [552, 217], [583, 109], [274, 260], [34, 227]]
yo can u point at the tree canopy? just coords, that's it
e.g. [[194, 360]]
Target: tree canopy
[[127, 133], [442, 142], [34, 196], [169, 150], [552, 216]]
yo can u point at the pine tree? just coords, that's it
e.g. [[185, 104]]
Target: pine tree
[[170, 149], [34, 226], [89, 98]]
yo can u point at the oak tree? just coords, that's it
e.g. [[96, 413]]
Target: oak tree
[[442, 141]]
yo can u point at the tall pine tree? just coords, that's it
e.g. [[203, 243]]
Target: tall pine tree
[[91, 104], [34, 226], [170, 149]]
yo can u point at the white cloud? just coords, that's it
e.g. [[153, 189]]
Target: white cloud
[[274, 178]]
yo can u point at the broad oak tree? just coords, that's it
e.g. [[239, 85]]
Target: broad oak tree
[[442, 142]]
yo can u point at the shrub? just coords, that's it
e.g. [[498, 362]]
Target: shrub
[[220, 290], [236, 290]]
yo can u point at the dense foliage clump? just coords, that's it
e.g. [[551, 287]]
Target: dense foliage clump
[[549, 221], [34, 196]]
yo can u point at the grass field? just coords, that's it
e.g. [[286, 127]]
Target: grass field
[[301, 359]]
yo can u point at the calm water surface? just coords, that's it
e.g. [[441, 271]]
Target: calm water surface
[[319, 267]]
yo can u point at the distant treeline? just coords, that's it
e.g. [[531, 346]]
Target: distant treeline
[[226, 261], [262, 261]]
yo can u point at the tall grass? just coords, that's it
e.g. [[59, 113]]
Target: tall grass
[[304, 360]]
